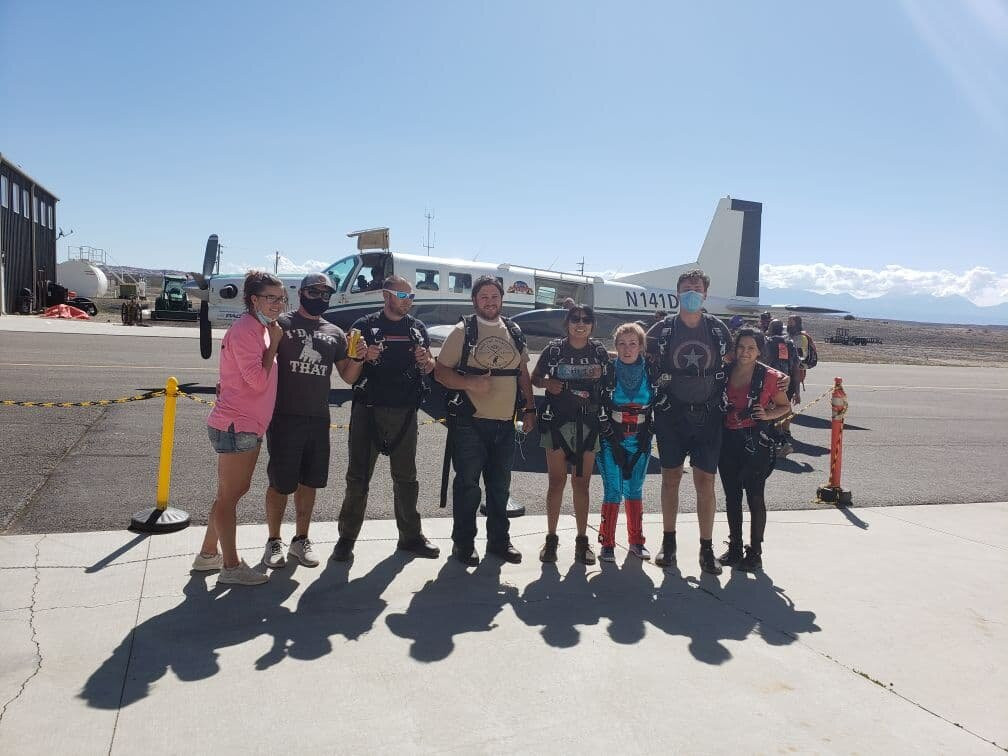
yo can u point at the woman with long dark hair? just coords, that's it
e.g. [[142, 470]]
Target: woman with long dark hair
[[246, 394], [577, 375], [748, 445]]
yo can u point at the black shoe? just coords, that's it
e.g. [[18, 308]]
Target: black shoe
[[420, 547], [582, 551], [548, 553], [666, 556], [752, 561], [733, 555], [343, 551], [465, 554], [507, 552], [707, 561]]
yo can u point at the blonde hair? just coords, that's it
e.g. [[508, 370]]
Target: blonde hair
[[634, 328]]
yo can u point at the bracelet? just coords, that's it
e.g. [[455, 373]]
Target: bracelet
[[529, 409], [357, 359]]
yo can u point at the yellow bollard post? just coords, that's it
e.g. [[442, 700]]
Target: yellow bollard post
[[162, 518], [167, 443]]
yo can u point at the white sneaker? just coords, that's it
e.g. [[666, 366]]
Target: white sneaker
[[273, 556], [203, 563], [241, 575], [304, 552]]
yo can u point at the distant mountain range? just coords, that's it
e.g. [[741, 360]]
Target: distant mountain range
[[922, 308]]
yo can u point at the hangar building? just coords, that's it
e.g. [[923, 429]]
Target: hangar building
[[27, 236]]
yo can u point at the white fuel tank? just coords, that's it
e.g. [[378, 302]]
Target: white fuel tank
[[82, 277]]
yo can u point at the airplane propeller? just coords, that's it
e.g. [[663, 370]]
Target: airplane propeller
[[203, 282]]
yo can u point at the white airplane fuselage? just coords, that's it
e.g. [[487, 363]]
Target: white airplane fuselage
[[443, 286]]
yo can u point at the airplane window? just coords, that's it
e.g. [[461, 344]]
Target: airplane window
[[369, 279], [459, 282], [339, 272], [428, 280]]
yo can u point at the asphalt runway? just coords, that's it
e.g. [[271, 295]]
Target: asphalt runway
[[915, 435]]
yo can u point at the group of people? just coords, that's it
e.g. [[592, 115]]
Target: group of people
[[687, 384]]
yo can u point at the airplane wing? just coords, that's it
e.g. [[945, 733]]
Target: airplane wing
[[806, 308]]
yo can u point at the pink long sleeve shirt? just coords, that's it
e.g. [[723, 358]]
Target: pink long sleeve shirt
[[246, 393]]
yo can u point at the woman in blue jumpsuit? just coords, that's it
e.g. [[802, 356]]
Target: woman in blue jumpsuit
[[622, 460]]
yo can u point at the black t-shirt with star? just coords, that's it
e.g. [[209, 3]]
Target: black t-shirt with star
[[308, 350], [688, 349]]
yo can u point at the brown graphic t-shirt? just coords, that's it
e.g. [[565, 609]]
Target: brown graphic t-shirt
[[305, 359], [495, 349]]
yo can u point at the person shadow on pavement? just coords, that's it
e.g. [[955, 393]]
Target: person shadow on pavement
[[765, 607], [560, 607], [452, 603], [185, 639], [332, 604]]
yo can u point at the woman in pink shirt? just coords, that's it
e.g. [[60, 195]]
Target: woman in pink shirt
[[747, 450], [246, 394]]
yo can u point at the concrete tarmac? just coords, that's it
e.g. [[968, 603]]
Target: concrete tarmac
[[915, 435], [888, 636], [874, 629]]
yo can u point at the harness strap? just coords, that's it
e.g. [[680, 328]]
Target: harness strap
[[447, 461]]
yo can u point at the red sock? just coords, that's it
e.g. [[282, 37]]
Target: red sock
[[607, 528], [635, 520]]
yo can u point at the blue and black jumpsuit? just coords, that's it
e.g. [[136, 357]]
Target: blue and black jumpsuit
[[624, 456]]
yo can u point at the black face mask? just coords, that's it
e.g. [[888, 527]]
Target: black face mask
[[314, 307]]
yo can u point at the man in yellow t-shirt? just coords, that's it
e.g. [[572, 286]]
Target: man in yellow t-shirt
[[483, 444]]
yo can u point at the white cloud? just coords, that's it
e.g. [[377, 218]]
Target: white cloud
[[286, 265], [981, 286]]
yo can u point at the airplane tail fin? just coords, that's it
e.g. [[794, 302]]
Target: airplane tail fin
[[730, 254]]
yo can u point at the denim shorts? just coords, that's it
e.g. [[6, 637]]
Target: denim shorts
[[232, 441]]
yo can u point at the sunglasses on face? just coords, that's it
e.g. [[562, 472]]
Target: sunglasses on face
[[580, 319], [401, 294], [318, 294], [271, 298]]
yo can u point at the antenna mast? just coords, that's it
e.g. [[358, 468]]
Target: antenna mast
[[429, 242], [276, 261], [581, 265]]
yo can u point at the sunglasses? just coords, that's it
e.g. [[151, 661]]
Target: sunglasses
[[580, 319], [401, 294], [318, 294], [271, 298]]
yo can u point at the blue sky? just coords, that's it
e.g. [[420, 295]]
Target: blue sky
[[875, 133]]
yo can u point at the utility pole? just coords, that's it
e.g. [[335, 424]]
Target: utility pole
[[581, 266], [276, 261], [429, 242]]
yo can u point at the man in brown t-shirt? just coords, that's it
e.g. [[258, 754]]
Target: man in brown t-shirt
[[483, 444]]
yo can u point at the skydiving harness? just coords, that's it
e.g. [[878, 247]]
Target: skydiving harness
[[762, 434], [365, 389], [458, 405], [592, 396], [664, 400], [631, 419]]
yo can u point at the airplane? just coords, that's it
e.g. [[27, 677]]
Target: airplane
[[533, 296]]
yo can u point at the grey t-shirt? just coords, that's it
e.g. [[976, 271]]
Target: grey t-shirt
[[689, 349], [305, 359]]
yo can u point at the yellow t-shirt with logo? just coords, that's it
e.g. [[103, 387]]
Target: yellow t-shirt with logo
[[494, 349]]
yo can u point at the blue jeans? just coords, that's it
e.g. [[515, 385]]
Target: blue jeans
[[482, 448]]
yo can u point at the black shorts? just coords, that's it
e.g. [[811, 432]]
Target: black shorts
[[679, 436], [298, 452]]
